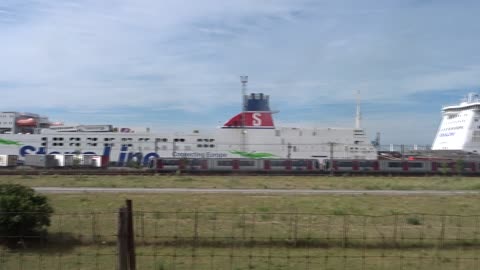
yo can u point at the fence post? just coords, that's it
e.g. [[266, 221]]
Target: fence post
[[442, 231], [94, 232], [122, 246], [345, 231], [195, 240], [295, 229], [125, 238], [131, 240], [395, 225]]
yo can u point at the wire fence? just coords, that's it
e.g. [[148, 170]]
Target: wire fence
[[248, 240]]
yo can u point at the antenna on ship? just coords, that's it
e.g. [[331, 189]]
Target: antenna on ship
[[244, 81], [358, 116]]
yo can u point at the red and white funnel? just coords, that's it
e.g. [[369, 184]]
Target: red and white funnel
[[257, 114]]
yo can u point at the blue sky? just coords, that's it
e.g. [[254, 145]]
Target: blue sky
[[175, 65]]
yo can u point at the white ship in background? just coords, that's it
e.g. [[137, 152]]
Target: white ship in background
[[460, 126], [249, 134]]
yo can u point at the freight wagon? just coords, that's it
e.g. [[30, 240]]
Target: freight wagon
[[234, 165]]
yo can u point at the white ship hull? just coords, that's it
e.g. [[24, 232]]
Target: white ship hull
[[223, 143], [460, 127], [250, 134]]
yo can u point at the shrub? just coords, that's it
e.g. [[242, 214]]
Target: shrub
[[414, 221], [22, 213]]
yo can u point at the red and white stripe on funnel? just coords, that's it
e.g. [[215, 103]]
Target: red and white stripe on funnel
[[252, 120]]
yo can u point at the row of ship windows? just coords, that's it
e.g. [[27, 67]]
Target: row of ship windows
[[5, 116], [123, 145], [455, 122], [294, 148], [125, 139], [94, 139], [61, 144], [5, 123], [455, 128], [455, 116], [314, 133], [205, 145], [452, 128], [205, 140]]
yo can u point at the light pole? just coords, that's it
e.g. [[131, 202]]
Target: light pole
[[331, 144]]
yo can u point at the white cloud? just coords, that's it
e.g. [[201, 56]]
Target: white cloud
[[188, 54], [117, 53]]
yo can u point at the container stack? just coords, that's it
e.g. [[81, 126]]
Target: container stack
[[8, 160], [43, 161]]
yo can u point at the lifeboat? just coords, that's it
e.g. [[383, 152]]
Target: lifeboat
[[28, 122]]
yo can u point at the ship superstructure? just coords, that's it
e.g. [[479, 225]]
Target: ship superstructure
[[250, 134], [460, 126]]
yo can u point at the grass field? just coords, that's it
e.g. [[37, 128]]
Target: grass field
[[378, 236], [161, 258], [273, 182], [365, 205], [275, 220]]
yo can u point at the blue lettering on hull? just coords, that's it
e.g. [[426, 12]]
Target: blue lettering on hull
[[123, 158]]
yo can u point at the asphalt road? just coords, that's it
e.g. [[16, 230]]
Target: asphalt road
[[73, 190]]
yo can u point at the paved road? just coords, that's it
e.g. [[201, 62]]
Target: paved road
[[67, 190]]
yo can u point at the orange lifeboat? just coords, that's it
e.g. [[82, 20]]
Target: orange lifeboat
[[28, 122]]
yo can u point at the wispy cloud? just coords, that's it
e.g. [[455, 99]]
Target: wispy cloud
[[173, 56]]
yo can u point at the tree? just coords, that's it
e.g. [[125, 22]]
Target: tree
[[22, 213]]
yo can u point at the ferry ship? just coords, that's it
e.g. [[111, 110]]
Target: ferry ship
[[249, 134], [460, 126]]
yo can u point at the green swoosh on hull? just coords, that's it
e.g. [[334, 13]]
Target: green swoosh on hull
[[8, 142], [253, 154]]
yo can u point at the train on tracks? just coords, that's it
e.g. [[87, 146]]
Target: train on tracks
[[314, 166], [247, 165]]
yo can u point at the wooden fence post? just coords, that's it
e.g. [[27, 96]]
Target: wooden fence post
[[122, 242], [131, 237]]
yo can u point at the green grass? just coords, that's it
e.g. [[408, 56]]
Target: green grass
[[359, 204], [273, 182], [240, 258], [218, 220], [265, 216], [84, 226]]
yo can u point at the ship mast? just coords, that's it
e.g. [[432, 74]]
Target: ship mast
[[358, 115], [244, 81]]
